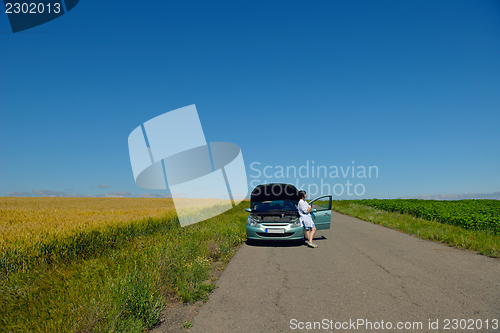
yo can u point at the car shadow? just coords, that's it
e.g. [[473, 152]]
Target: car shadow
[[279, 243]]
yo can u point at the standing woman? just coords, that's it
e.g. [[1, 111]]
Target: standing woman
[[305, 217]]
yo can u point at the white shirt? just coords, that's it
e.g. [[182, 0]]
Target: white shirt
[[305, 217]]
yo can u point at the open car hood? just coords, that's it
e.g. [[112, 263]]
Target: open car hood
[[275, 191]]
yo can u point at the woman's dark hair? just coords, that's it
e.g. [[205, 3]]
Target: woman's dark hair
[[302, 194]]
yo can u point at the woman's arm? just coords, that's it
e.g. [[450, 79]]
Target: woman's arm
[[303, 206]]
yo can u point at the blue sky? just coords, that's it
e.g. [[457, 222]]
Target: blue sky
[[412, 87]]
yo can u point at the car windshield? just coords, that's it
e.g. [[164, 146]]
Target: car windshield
[[275, 205]]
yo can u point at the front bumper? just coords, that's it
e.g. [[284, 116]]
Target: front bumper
[[289, 232]]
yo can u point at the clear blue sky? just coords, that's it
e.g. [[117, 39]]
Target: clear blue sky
[[412, 87]]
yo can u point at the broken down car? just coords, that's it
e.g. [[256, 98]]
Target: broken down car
[[274, 215]]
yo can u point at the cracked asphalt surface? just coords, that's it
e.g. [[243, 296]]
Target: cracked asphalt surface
[[359, 271]]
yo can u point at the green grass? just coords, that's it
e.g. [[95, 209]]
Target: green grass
[[187, 324], [121, 288], [484, 242]]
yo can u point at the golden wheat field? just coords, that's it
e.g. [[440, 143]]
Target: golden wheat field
[[31, 220]]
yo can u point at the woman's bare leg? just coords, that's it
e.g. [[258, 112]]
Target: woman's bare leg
[[311, 235]]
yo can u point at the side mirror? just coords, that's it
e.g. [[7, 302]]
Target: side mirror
[[249, 210], [314, 210]]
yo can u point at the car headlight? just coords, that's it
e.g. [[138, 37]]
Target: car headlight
[[251, 222], [297, 223]]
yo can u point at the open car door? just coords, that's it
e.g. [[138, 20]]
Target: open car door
[[321, 212]]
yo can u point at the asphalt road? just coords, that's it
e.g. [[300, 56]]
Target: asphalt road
[[360, 271]]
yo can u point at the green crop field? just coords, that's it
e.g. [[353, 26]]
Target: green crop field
[[468, 214]]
